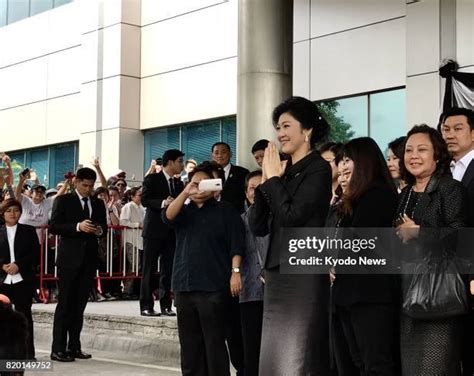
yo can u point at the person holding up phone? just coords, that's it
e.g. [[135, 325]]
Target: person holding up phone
[[210, 242]]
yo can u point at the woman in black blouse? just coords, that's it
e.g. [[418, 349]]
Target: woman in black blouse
[[366, 303], [432, 206], [294, 193]]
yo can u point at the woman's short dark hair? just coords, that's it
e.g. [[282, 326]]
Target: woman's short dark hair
[[8, 203], [209, 168], [307, 114], [441, 153], [369, 167], [397, 147], [133, 191], [100, 190]]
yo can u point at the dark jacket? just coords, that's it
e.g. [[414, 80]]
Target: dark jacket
[[233, 190], [440, 212], [155, 190], [76, 247], [468, 182], [27, 251], [300, 198], [375, 208]]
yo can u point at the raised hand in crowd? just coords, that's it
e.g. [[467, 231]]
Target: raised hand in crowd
[[103, 181], [152, 168]]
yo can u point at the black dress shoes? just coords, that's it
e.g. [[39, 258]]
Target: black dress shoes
[[78, 354], [168, 312], [62, 356], [150, 312]]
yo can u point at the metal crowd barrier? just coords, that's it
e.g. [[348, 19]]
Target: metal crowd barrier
[[113, 264]]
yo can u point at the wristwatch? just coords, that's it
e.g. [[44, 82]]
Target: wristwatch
[[236, 270]]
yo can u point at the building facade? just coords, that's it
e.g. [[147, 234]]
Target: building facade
[[123, 80]]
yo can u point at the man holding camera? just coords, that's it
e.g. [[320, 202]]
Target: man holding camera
[[79, 220]]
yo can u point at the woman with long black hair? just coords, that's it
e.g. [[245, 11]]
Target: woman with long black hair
[[366, 303], [293, 193]]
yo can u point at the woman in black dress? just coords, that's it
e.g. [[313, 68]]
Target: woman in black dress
[[294, 193], [366, 303], [432, 205]]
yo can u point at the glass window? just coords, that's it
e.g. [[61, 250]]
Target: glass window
[[63, 159], [158, 141], [3, 12], [229, 135], [50, 163], [197, 140], [38, 6], [58, 3], [39, 163], [387, 116], [347, 117], [17, 10]]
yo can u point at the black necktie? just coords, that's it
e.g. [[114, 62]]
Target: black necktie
[[87, 213], [172, 191]]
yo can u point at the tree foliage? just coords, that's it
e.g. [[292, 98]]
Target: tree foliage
[[340, 129]]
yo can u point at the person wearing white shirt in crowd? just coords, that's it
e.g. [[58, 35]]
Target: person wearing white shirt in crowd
[[37, 208], [457, 129], [19, 248], [132, 215]]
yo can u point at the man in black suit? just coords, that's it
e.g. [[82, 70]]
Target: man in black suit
[[159, 190], [457, 128], [79, 220], [233, 192], [234, 176]]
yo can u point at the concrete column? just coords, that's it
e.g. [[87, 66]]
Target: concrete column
[[265, 65], [111, 32]]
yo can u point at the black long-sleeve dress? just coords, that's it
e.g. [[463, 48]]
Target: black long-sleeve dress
[[295, 319]]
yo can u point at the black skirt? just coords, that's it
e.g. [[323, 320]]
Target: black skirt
[[295, 338], [430, 348]]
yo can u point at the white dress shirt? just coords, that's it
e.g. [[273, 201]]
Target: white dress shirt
[[15, 278], [458, 168], [227, 171], [82, 204]]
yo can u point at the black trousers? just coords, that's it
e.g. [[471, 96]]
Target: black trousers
[[369, 330], [202, 333], [152, 249], [21, 295], [251, 318], [234, 336], [468, 343], [74, 287]]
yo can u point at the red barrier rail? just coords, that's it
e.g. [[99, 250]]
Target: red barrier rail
[[120, 243]]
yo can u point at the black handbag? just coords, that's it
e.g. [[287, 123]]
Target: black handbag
[[435, 290]]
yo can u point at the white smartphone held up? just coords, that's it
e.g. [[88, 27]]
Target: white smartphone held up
[[211, 185]]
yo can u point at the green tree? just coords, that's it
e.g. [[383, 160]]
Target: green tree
[[340, 129]]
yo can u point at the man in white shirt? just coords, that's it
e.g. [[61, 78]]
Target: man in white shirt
[[132, 215], [457, 128]]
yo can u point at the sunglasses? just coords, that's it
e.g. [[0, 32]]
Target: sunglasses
[[120, 185]]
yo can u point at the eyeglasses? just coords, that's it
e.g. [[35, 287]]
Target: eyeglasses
[[120, 185]]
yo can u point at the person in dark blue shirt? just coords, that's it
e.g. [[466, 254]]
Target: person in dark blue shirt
[[210, 243]]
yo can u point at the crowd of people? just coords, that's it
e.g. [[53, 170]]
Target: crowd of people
[[219, 250]]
